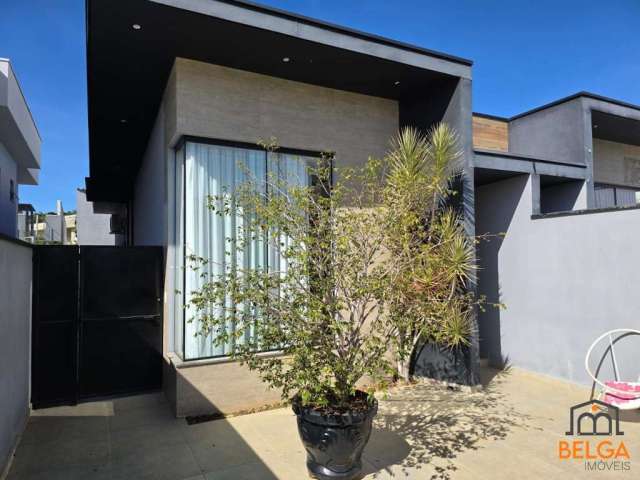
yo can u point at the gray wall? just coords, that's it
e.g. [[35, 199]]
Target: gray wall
[[217, 102], [563, 197], [8, 209], [564, 281], [224, 103], [92, 227], [150, 199], [555, 133], [15, 343], [616, 163]]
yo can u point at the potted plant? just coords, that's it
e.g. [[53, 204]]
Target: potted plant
[[315, 322], [318, 305], [429, 302]]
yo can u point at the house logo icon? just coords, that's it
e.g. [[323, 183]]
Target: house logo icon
[[594, 418]]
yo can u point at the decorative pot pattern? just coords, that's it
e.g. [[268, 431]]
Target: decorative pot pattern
[[334, 443]]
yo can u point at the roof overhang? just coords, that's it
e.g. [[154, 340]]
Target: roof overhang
[[18, 132], [127, 68], [491, 166], [584, 95], [615, 128]]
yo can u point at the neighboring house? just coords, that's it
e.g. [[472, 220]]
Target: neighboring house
[[49, 228], [558, 187], [26, 222], [19, 148], [97, 224], [71, 234], [194, 101], [55, 228]]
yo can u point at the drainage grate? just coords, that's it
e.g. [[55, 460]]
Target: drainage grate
[[196, 419]]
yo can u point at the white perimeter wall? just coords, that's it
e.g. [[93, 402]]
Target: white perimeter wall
[[15, 343], [564, 281]]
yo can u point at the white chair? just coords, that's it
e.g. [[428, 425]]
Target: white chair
[[621, 394]]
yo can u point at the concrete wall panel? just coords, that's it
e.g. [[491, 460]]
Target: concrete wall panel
[[150, 200], [224, 103], [15, 343], [564, 281], [555, 133], [616, 163]]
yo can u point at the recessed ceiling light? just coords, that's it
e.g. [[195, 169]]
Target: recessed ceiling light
[[124, 120], [397, 83], [136, 26], [286, 59]]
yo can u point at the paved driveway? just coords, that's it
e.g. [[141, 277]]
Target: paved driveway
[[508, 431]]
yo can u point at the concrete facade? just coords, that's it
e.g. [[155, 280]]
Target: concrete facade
[[216, 102], [616, 163], [556, 133], [15, 343], [150, 200], [222, 103], [564, 280], [93, 226], [547, 163]]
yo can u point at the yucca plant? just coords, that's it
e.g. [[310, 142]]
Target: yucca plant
[[433, 258]]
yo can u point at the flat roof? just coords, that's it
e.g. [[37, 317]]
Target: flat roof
[[342, 29], [583, 94], [127, 67]]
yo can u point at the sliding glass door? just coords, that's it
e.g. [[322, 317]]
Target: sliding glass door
[[204, 171]]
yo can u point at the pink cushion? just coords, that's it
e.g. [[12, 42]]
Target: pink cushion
[[616, 398]]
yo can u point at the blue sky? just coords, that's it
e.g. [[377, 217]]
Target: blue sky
[[525, 53]]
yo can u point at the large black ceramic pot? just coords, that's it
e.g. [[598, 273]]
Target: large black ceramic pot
[[334, 441]]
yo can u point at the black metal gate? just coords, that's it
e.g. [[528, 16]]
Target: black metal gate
[[97, 322]]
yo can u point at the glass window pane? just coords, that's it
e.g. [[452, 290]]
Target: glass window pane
[[209, 171]]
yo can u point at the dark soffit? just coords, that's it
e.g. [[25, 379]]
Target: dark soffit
[[127, 71]]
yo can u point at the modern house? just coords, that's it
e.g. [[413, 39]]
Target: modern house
[[206, 80], [19, 148], [26, 222], [556, 188]]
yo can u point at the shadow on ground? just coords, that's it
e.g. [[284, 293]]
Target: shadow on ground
[[131, 438], [426, 426]]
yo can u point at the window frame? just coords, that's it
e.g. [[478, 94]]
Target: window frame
[[180, 150]]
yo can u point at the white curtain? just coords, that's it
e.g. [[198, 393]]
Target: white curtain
[[290, 170], [211, 170]]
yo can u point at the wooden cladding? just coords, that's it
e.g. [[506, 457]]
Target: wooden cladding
[[490, 134]]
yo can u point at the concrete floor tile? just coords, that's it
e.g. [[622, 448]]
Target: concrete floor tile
[[102, 472], [213, 455], [169, 462], [138, 401], [248, 471], [424, 431], [158, 415], [63, 453], [139, 440], [57, 428]]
